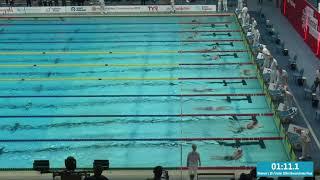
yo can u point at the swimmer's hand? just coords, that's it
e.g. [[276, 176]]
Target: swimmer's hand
[[2, 150]]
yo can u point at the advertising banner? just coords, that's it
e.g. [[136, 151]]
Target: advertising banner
[[108, 9], [305, 19]]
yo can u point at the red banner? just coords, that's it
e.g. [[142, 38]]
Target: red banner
[[305, 19]]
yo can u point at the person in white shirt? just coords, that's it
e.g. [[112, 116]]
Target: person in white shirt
[[240, 5], [305, 144], [274, 73], [288, 100], [225, 5], [256, 38], [102, 6], [193, 161], [282, 78], [173, 7], [220, 5]]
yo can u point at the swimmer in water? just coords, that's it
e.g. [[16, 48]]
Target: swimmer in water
[[2, 150], [237, 154], [252, 125], [212, 108], [15, 127], [211, 57], [200, 90], [246, 72]]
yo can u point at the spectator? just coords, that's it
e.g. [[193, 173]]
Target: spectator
[[193, 161], [11, 3], [282, 78], [317, 80], [97, 174], [244, 176], [70, 163], [253, 174], [63, 2], [225, 5], [157, 173], [29, 3]]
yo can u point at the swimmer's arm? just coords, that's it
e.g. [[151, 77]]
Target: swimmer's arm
[[199, 160], [217, 158], [237, 156]]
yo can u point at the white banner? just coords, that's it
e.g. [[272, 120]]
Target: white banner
[[53, 9], [80, 9], [312, 22], [7, 10], [294, 129], [33, 10], [113, 9]]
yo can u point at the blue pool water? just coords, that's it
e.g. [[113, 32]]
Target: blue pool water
[[134, 90]]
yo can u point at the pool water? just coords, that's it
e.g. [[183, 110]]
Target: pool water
[[137, 91]]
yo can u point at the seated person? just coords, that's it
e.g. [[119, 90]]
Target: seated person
[[70, 163], [69, 173], [97, 174], [157, 173], [237, 154]]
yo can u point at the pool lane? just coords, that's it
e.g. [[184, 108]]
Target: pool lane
[[25, 88]]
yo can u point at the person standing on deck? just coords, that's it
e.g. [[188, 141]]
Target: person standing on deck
[[225, 5], [193, 161]]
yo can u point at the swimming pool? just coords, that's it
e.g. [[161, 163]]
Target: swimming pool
[[135, 90]]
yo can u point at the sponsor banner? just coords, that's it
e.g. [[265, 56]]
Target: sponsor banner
[[33, 10], [53, 9], [294, 129], [305, 19], [124, 8], [160, 8], [78, 9], [115, 9], [7, 10]]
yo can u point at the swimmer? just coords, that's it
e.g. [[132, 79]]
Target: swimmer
[[212, 108], [252, 125], [195, 21], [246, 72], [213, 58], [15, 127], [2, 150], [200, 90], [237, 154]]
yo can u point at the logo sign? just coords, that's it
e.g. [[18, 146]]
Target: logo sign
[[78, 9], [267, 169], [153, 8], [206, 8], [6, 10], [53, 10]]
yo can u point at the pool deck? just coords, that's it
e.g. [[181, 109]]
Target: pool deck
[[306, 60]]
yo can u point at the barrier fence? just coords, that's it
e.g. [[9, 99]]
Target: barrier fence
[[305, 19]]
